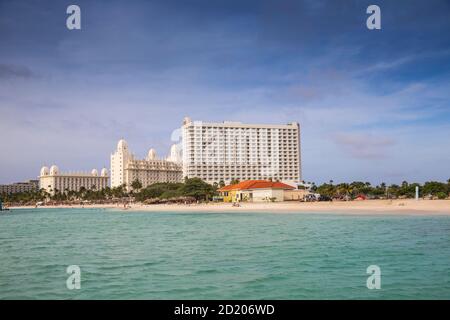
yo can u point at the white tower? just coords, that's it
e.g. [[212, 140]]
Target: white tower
[[151, 154], [104, 172], [119, 160], [175, 154]]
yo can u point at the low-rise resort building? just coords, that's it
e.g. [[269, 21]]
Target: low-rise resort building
[[53, 181], [260, 191], [19, 187]]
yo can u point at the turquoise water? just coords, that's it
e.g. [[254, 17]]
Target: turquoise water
[[137, 255]]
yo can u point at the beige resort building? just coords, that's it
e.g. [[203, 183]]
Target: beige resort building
[[18, 187], [126, 168], [52, 179]]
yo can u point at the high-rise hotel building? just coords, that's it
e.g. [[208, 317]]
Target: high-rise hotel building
[[225, 151]]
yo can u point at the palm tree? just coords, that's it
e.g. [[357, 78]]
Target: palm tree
[[71, 194], [107, 192], [82, 193], [345, 188], [136, 185]]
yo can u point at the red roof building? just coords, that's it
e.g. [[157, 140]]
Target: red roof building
[[257, 184], [255, 190]]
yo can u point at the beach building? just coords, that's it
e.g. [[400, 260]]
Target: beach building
[[126, 168], [226, 151], [53, 180], [255, 191], [18, 187], [296, 194]]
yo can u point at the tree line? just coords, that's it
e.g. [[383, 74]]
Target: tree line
[[199, 190], [193, 188], [432, 189]]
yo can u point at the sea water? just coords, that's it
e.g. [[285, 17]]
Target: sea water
[[148, 255]]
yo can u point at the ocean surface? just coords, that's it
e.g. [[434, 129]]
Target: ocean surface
[[138, 255]]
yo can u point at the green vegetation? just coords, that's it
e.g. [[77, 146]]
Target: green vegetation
[[136, 185], [159, 190], [193, 189], [234, 181], [197, 188], [431, 189], [31, 198]]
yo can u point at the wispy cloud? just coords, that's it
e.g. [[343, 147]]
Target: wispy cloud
[[364, 146], [15, 71], [408, 59]]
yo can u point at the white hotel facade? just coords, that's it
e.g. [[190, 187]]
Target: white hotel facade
[[53, 180], [126, 168], [224, 151]]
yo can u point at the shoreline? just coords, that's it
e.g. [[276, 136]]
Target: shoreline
[[385, 207]]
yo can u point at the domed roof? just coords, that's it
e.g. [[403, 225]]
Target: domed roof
[[54, 170], [186, 120], [151, 154], [94, 172], [44, 171], [122, 144], [174, 153], [104, 172]]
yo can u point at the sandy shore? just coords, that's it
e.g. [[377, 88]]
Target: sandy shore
[[408, 207]]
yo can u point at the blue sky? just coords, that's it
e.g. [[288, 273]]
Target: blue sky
[[372, 105]]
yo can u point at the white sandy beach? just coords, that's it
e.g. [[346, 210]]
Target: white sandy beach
[[407, 207]]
